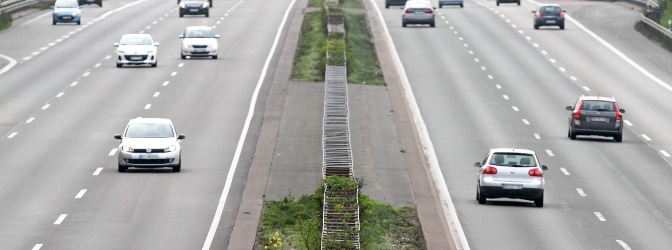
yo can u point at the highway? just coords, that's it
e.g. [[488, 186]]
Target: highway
[[484, 78], [63, 99]]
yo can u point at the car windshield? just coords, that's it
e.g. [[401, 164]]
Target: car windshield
[[198, 33], [513, 160], [598, 105], [149, 130], [135, 40], [550, 10], [66, 4]]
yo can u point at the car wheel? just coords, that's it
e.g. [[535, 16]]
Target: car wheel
[[154, 64], [481, 197], [497, 3], [183, 56], [387, 6], [181, 15], [122, 168], [403, 24], [440, 6], [518, 3], [207, 14], [618, 138], [119, 65], [536, 27], [78, 22], [461, 5], [572, 134], [539, 202], [53, 22], [562, 27], [214, 57], [432, 24]]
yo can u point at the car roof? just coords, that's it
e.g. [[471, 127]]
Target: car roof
[[150, 120], [199, 28], [511, 150], [600, 98], [148, 35], [549, 4], [418, 3]]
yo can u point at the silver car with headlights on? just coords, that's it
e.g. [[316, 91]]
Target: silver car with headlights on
[[149, 143], [136, 49], [510, 173], [199, 41]]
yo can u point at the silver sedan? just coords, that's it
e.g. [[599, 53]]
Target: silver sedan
[[149, 143], [510, 173]]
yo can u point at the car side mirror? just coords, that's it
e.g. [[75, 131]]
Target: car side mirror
[[216, 36], [156, 43], [433, 7], [116, 44], [544, 167], [570, 108], [477, 164], [622, 110], [534, 11], [51, 6], [180, 137], [564, 11], [117, 136], [181, 36]]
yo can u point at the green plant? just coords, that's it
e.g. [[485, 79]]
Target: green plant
[[5, 20]]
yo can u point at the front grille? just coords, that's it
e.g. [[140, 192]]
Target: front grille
[[152, 150], [149, 161], [199, 46], [135, 57]]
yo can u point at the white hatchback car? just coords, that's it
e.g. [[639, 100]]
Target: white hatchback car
[[136, 49], [149, 143], [510, 173], [199, 41]]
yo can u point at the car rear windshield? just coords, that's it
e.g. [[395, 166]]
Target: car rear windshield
[[149, 130], [550, 10], [598, 105], [513, 160]]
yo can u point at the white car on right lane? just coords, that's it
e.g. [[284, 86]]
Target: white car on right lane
[[199, 41]]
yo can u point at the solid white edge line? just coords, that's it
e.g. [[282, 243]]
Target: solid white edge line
[[435, 171], [664, 153], [10, 65], [10, 136], [243, 134]]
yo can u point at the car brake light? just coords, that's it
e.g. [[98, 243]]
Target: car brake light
[[407, 11], [535, 172], [577, 112], [562, 15], [490, 170], [619, 116], [429, 11], [538, 15]]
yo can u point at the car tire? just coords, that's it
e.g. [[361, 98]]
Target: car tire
[[119, 65], [214, 57], [536, 27], [481, 197], [518, 3], [53, 22], [122, 168], [618, 138], [461, 5], [154, 64], [387, 6], [539, 202], [181, 15], [178, 168], [183, 56], [432, 24], [207, 14], [78, 22], [571, 134], [497, 3], [403, 24], [562, 26], [440, 6]]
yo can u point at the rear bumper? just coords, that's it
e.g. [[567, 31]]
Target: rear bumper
[[582, 131], [418, 20], [499, 192]]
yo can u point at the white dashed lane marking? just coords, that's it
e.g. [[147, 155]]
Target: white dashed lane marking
[[526, 122], [580, 191], [97, 172], [37, 247], [165, 83], [564, 171], [549, 152], [646, 137], [537, 136], [10, 136], [600, 217], [664, 153], [623, 245], [60, 219], [46, 106], [80, 194], [148, 106], [30, 120], [113, 152]]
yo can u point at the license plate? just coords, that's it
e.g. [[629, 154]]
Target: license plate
[[512, 186], [199, 50], [550, 21], [66, 17], [148, 156], [193, 10], [598, 119], [136, 58], [90, 1]]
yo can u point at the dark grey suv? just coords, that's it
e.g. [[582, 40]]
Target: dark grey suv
[[596, 115], [389, 3]]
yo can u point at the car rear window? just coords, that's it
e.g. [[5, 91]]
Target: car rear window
[[550, 9], [513, 160], [598, 105]]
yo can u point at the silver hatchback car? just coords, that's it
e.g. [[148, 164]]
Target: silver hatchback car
[[149, 143], [510, 173]]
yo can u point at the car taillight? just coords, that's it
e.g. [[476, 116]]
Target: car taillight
[[538, 15], [429, 11], [490, 170], [562, 15], [619, 116], [407, 11], [577, 112], [535, 172]]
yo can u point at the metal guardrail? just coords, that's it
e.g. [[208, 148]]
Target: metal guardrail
[[654, 29], [13, 6]]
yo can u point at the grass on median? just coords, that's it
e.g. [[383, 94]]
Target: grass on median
[[297, 224]]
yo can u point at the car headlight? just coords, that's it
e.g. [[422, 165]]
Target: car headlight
[[74, 13], [171, 148], [126, 149], [206, 5], [182, 5], [186, 45]]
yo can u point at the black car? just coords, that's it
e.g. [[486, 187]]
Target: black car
[[97, 2], [596, 115], [194, 7], [549, 15], [389, 3]]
